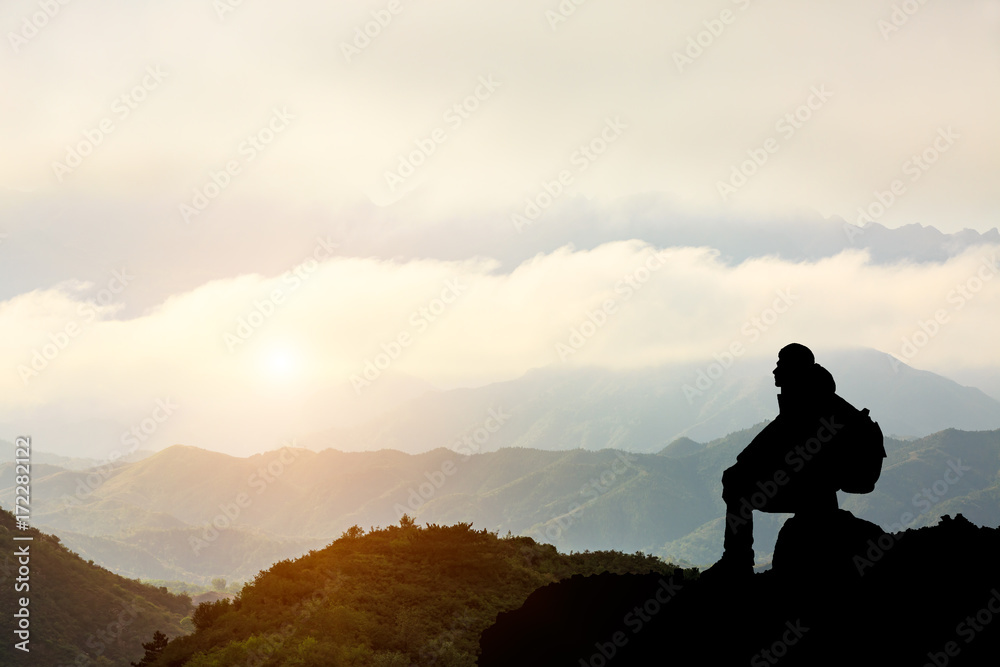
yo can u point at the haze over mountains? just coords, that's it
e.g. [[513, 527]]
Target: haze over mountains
[[565, 407], [154, 518], [538, 441]]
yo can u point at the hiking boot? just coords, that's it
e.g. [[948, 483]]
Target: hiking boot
[[728, 569]]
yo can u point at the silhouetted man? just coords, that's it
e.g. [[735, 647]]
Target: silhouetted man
[[788, 467]]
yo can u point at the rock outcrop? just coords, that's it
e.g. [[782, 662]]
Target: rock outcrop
[[841, 592]]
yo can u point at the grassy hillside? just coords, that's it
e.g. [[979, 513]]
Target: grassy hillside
[[393, 597], [78, 610]]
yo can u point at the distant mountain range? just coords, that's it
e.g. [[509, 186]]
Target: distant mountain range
[[190, 514], [801, 239], [376, 232], [80, 462], [585, 225], [559, 407]]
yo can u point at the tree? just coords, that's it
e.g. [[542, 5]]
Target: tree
[[219, 584], [353, 532], [207, 613], [153, 649], [406, 522]]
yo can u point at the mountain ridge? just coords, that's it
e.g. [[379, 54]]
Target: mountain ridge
[[559, 407], [575, 499]]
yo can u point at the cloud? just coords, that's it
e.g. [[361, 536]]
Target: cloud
[[355, 119], [244, 355]]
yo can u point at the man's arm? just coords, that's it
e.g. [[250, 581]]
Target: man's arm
[[765, 445]]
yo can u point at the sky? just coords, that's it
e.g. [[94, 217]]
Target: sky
[[215, 216]]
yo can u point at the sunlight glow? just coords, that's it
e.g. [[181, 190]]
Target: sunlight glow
[[282, 362]]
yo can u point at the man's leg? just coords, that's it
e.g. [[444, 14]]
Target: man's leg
[[738, 541]]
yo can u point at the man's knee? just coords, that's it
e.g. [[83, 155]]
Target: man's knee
[[730, 474], [734, 482]]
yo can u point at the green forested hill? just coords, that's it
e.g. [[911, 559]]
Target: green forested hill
[[80, 613], [394, 597]]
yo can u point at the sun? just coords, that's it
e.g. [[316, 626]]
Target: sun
[[282, 362]]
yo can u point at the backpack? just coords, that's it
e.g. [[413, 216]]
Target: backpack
[[860, 451]]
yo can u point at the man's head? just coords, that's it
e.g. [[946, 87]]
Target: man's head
[[795, 362]]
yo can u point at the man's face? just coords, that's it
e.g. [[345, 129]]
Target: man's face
[[781, 373], [788, 374]]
